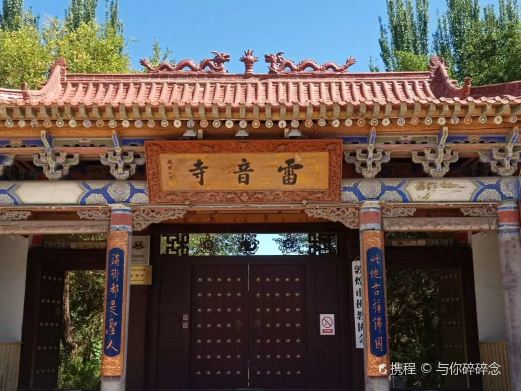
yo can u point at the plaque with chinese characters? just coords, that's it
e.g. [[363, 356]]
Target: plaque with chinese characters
[[244, 171]]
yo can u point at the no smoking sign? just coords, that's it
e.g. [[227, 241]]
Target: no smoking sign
[[327, 324]]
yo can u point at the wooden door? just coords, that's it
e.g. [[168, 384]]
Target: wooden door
[[249, 322], [49, 329], [42, 328], [219, 340], [278, 326]]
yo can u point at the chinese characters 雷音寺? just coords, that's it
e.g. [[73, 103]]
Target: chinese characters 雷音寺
[[289, 175], [243, 172], [198, 171]]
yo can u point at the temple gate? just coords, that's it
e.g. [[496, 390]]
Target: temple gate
[[374, 160]]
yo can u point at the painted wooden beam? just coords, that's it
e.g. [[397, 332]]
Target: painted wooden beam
[[47, 227], [439, 224], [426, 191]]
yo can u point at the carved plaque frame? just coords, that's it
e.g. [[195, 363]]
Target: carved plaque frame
[[158, 196]]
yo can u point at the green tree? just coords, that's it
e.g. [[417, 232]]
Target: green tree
[[24, 57], [14, 17], [90, 48], [83, 329], [112, 19], [159, 55], [12, 14], [482, 43], [404, 40], [80, 12], [28, 51]]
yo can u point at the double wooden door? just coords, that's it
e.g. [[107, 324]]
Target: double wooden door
[[248, 326], [248, 323]]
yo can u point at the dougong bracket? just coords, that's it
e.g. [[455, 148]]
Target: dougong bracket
[[55, 164], [436, 161], [504, 159], [122, 163], [368, 161]]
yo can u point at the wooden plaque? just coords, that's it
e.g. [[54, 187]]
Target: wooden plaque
[[181, 172], [141, 275]]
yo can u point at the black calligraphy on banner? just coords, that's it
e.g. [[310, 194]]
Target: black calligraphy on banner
[[376, 302], [243, 172], [289, 175], [198, 171], [358, 305], [114, 302]]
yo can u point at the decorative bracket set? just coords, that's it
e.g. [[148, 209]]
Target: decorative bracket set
[[56, 164], [436, 160], [368, 159], [504, 159], [122, 164]]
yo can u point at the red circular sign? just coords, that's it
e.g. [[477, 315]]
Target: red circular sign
[[327, 322]]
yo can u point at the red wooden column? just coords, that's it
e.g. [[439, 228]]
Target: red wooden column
[[510, 260], [376, 343], [117, 290]]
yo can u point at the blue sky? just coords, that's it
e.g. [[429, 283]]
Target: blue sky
[[319, 29]]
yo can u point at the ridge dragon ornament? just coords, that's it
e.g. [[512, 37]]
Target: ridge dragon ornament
[[214, 65], [278, 64]]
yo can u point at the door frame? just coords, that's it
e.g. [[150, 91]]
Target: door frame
[[38, 260], [447, 258], [347, 251]]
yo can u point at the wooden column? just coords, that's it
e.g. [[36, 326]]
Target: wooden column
[[117, 293], [510, 260], [376, 343]]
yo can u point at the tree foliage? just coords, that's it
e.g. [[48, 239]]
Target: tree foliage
[[90, 48], [159, 55], [415, 320], [24, 57], [82, 343], [113, 21], [87, 45], [14, 17], [80, 12], [483, 43], [404, 40]]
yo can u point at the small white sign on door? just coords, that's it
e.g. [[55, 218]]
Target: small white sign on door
[[327, 324], [140, 250]]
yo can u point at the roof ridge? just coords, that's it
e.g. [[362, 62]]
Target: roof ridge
[[441, 82], [58, 74], [211, 89]]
